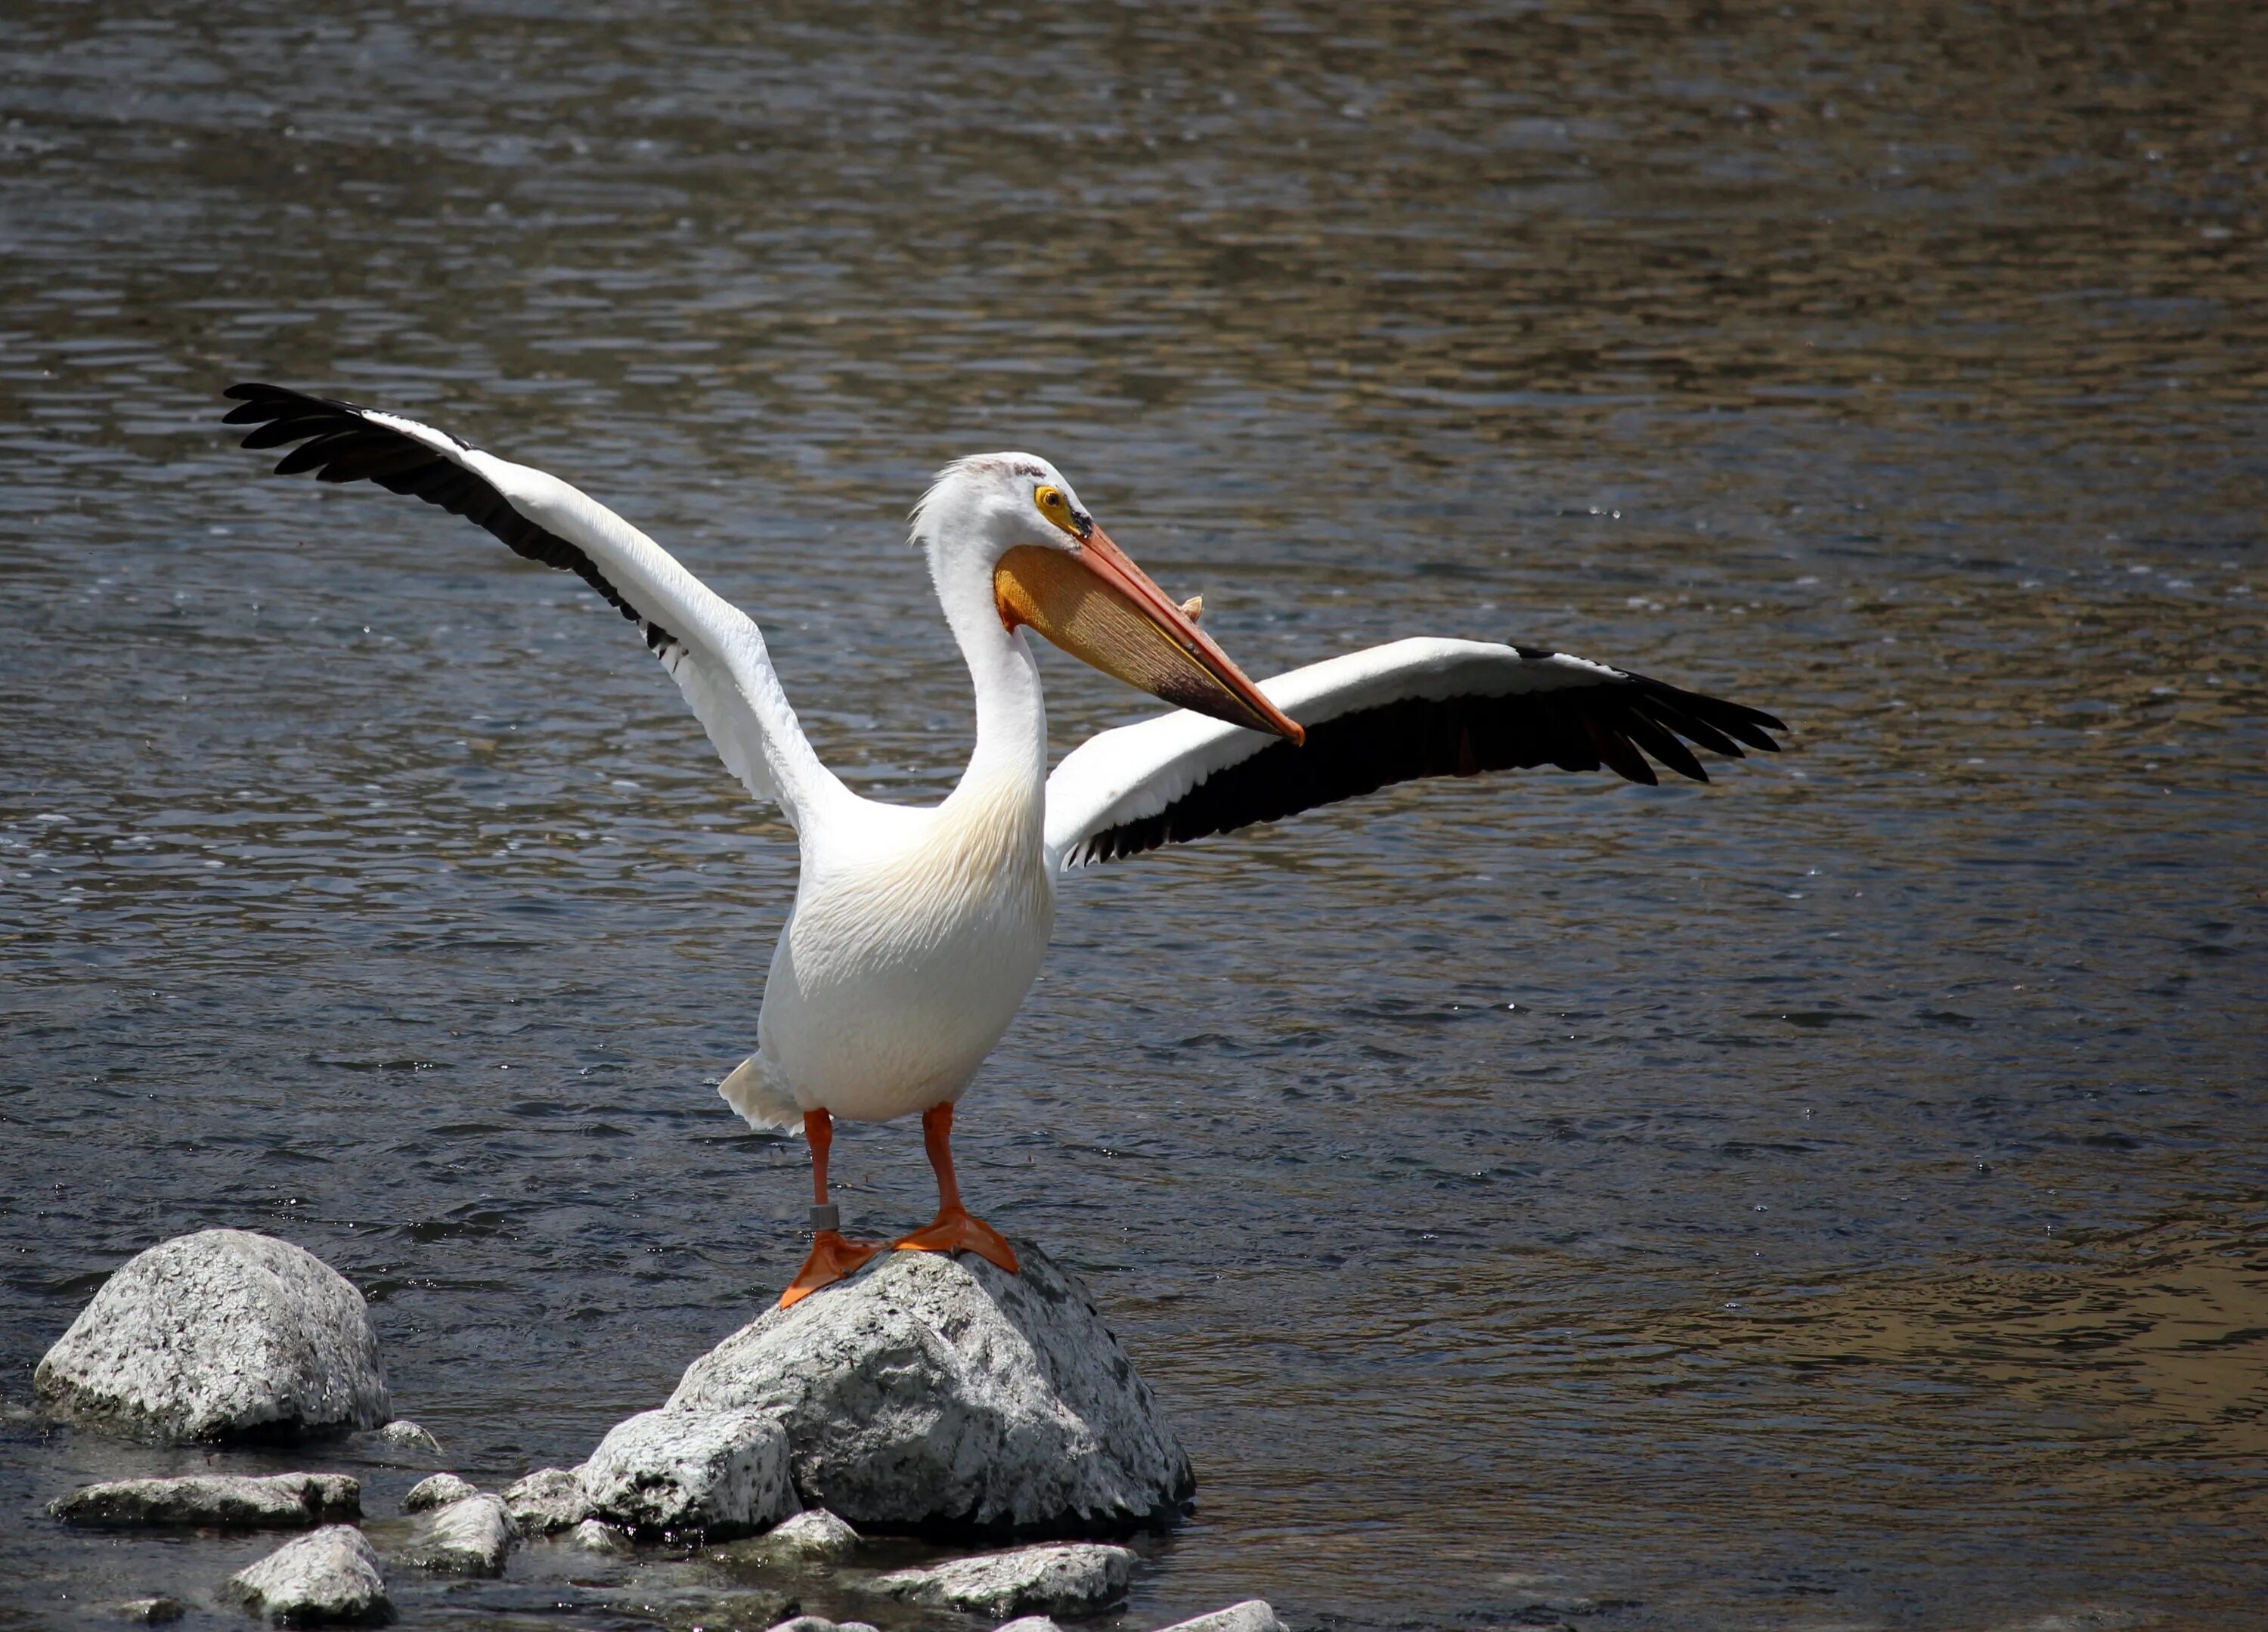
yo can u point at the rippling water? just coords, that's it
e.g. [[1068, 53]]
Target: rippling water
[[1829, 1198]]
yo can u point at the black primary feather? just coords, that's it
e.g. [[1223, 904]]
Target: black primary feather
[[1576, 728], [340, 443]]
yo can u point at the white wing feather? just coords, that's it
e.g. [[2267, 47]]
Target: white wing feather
[[1135, 771]]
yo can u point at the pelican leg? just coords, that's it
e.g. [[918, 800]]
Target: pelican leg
[[832, 1257], [953, 1230]]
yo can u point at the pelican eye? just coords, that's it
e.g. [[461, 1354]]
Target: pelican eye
[[1058, 510]]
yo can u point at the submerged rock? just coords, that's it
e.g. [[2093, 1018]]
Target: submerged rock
[[715, 1612], [276, 1501], [592, 1536], [549, 1499], [328, 1578], [1075, 1579], [149, 1612], [468, 1537], [1252, 1615], [219, 1335], [437, 1490], [934, 1391], [403, 1438], [719, 1472], [814, 1536]]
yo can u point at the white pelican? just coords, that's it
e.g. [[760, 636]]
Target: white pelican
[[916, 933]]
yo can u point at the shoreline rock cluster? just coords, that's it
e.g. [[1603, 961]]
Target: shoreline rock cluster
[[928, 1396]]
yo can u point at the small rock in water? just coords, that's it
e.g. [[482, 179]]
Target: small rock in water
[[469, 1537], [325, 1577], [438, 1491], [218, 1335], [276, 1501], [1252, 1615], [814, 1534], [1074, 1579], [1028, 1623], [936, 1390], [149, 1612], [820, 1623], [720, 1473], [721, 1612], [547, 1500], [592, 1536], [403, 1437]]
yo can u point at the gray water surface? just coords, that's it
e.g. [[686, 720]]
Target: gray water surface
[[1834, 1197]]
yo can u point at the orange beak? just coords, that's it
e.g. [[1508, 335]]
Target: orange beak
[[1101, 607]]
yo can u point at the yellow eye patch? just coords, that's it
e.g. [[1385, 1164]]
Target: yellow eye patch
[[1056, 509]]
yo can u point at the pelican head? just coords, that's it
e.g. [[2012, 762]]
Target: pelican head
[[1014, 517]]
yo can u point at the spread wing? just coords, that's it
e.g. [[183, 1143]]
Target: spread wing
[[1414, 707], [711, 648]]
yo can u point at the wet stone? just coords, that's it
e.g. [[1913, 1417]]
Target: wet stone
[[1076, 1578], [439, 1490], [468, 1537], [594, 1536], [754, 1611], [330, 1578], [549, 1500], [402, 1440], [1252, 1615], [820, 1623], [222, 1334], [715, 1473], [1028, 1623], [276, 1502], [937, 1391], [813, 1536], [149, 1612]]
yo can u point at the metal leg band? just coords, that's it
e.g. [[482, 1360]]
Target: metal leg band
[[826, 1216]]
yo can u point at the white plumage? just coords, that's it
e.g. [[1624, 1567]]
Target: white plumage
[[916, 933]]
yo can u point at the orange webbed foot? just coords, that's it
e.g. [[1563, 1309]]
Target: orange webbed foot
[[955, 1231], [832, 1258]]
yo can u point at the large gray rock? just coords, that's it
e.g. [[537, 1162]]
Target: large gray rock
[[719, 1473], [328, 1578], [1077, 1579], [468, 1537], [276, 1501], [548, 1501], [221, 1334], [1252, 1615], [941, 1392]]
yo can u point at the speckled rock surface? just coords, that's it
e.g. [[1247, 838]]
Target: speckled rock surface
[[1252, 1615], [468, 1537], [276, 1502], [222, 1334], [813, 1536], [437, 1490], [944, 1393], [549, 1499], [405, 1438], [331, 1578], [1076, 1579], [719, 1473]]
